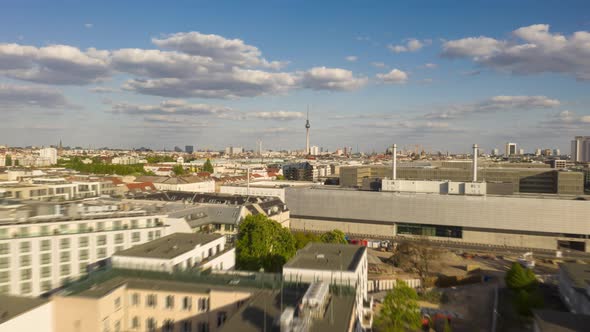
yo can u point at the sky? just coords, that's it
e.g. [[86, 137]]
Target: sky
[[439, 74]]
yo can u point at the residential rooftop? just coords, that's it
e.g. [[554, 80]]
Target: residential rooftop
[[169, 246], [12, 306], [327, 256]]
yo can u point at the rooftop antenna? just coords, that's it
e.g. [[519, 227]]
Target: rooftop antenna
[[307, 126]]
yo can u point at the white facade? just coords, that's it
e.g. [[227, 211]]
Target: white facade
[[203, 256], [436, 187], [202, 187], [314, 150], [510, 149], [38, 319], [581, 149], [37, 257], [50, 154]]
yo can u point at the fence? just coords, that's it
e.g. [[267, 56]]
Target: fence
[[378, 285]]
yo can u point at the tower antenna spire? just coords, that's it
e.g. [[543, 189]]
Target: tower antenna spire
[[307, 126]]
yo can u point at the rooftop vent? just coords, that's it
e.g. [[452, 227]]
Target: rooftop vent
[[320, 256]]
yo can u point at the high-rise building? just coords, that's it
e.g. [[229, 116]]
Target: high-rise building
[[314, 150], [556, 152], [521, 152], [537, 152], [510, 149], [50, 154], [581, 149], [232, 150], [177, 149], [495, 152], [189, 149]]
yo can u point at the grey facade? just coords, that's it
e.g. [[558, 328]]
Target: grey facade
[[544, 222]]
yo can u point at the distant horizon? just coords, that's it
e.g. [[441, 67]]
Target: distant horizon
[[214, 75]]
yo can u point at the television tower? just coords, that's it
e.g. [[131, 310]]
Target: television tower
[[307, 135]]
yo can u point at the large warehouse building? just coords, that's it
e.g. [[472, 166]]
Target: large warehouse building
[[524, 180], [537, 221]]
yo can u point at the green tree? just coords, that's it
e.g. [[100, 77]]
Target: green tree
[[400, 311], [8, 160], [519, 278], [334, 236], [208, 167], [526, 300], [303, 238], [263, 243], [280, 177], [178, 170]]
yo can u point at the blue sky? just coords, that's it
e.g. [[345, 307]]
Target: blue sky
[[213, 74]]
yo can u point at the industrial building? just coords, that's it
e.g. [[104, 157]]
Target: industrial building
[[547, 222], [524, 180]]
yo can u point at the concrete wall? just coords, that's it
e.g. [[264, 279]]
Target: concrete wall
[[39, 319]]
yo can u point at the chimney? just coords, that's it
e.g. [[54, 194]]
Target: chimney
[[394, 161], [475, 152]]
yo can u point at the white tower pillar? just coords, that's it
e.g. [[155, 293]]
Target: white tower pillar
[[475, 153], [394, 161]]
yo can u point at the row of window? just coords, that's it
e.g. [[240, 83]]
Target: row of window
[[26, 231], [151, 301], [151, 325]]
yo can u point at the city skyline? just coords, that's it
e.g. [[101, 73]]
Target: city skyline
[[176, 74]]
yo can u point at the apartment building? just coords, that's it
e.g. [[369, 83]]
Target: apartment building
[[44, 245], [178, 252]]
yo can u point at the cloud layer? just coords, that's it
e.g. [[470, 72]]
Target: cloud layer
[[533, 50]]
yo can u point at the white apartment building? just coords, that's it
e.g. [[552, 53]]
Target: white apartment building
[[263, 188], [581, 149], [178, 252], [45, 245], [49, 154]]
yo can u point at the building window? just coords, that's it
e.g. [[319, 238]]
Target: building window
[[117, 303], [118, 326], [430, 230], [169, 302], [83, 254], [25, 287], [150, 235], [118, 238], [134, 224], [119, 248], [150, 325], [135, 323], [168, 326], [25, 247], [23, 231], [221, 317], [135, 237], [117, 225], [204, 327], [82, 227], [45, 245], [4, 277], [45, 271], [25, 274], [187, 303], [3, 233], [83, 241], [135, 299], [46, 286], [203, 304], [64, 270], [4, 263], [25, 260], [82, 267], [5, 289], [101, 253], [158, 234], [210, 252], [64, 256], [100, 226], [186, 326], [151, 300], [101, 240], [64, 244], [44, 230]]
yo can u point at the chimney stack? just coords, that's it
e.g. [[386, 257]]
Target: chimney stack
[[475, 153], [394, 161]]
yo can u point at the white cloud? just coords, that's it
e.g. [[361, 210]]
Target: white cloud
[[54, 64], [88, 25], [231, 51], [377, 64], [172, 107], [102, 89], [26, 96], [352, 58], [566, 120], [277, 115], [495, 104], [322, 78], [395, 76], [534, 49], [430, 65], [411, 45]]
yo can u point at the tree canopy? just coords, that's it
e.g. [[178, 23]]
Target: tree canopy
[[178, 170], [519, 278], [400, 311], [98, 167], [525, 294], [208, 167], [8, 160], [263, 243], [334, 236]]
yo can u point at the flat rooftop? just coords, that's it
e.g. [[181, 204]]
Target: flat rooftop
[[326, 256], [12, 306], [558, 321], [169, 246], [579, 274]]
